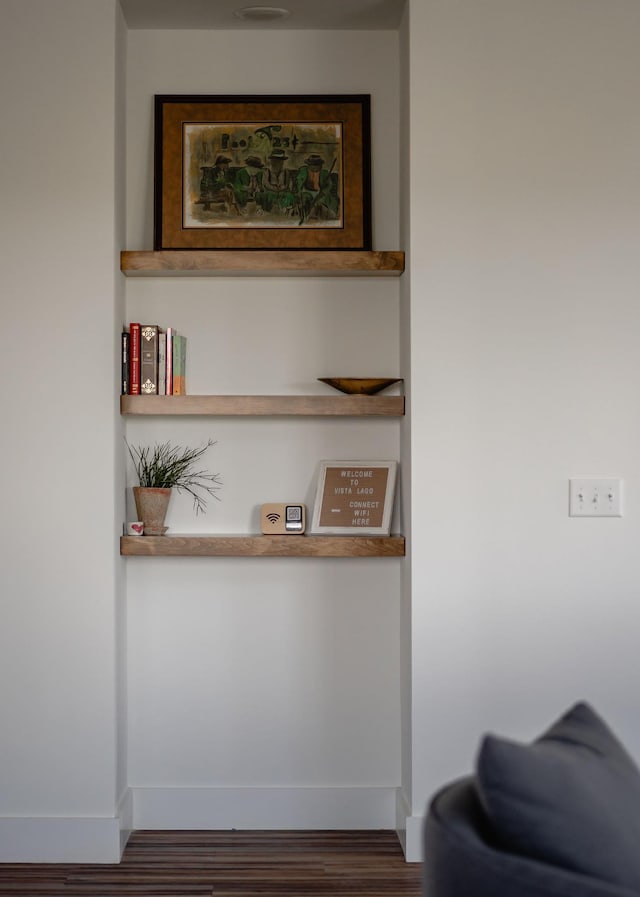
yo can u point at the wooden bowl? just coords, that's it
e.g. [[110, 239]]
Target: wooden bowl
[[366, 386]]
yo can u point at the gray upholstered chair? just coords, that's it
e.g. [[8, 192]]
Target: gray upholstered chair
[[556, 818]]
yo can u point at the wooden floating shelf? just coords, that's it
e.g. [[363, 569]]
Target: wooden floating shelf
[[262, 546], [339, 405], [249, 262]]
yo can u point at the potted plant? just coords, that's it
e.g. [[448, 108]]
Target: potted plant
[[163, 467]]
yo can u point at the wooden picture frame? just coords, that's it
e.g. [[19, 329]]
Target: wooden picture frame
[[262, 172], [354, 497]]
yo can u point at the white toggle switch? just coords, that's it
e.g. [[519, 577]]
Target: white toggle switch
[[595, 497]]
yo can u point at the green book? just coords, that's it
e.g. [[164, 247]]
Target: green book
[[179, 365]]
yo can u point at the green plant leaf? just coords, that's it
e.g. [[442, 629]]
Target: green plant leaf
[[167, 466]]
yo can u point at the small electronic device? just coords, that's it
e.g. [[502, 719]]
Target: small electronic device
[[282, 518]]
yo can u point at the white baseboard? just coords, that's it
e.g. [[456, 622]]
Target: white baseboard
[[413, 842], [264, 808], [77, 839], [125, 817], [59, 840], [85, 839], [409, 829]]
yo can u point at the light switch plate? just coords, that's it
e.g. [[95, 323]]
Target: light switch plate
[[595, 497]]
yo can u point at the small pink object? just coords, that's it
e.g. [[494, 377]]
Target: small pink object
[[135, 528]]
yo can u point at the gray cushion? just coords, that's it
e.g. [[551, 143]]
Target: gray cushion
[[571, 798]]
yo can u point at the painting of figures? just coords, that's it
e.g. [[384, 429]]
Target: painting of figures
[[263, 172], [263, 175]]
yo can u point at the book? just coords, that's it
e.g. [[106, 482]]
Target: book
[[149, 359], [162, 363], [179, 365], [134, 359], [169, 361], [124, 358]]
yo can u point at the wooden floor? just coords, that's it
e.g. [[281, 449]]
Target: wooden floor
[[231, 864]]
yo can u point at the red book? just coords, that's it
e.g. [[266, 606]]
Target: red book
[[134, 359]]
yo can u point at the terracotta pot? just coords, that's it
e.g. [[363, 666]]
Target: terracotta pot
[[151, 508]]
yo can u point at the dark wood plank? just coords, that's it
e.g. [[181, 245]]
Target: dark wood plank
[[231, 864]]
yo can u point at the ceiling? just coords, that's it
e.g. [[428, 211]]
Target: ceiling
[[304, 14]]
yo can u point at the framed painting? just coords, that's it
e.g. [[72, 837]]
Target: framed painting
[[262, 172], [354, 497]]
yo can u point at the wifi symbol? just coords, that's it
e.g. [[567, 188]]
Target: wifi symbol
[[273, 517]]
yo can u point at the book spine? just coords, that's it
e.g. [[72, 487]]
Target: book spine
[[162, 363], [169, 361], [134, 359], [179, 365], [149, 359], [183, 372], [183, 367], [124, 357]]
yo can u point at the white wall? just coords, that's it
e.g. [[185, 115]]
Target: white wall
[[278, 676], [403, 796], [125, 807], [58, 528], [524, 220], [265, 674]]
